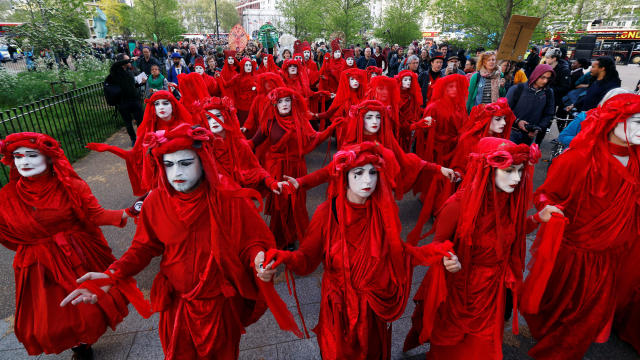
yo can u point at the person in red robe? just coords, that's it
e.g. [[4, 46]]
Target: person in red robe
[[286, 129], [370, 122], [387, 91], [445, 114], [295, 77], [332, 68], [627, 319], [163, 112], [373, 71], [460, 304], [192, 90], [367, 275], [312, 68], [213, 87], [595, 181], [212, 242], [267, 64], [485, 120], [410, 108], [233, 155], [50, 218], [242, 89], [230, 67], [349, 59], [351, 91], [266, 82]]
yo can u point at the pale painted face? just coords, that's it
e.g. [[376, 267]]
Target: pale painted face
[[29, 162], [297, 57], [363, 180], [372, 120], [337, 54], [230, 60], [508, 179], [497, 124], [632, 133], [406, 82], [164, 109], [199, 70], [248, 67], [284, 105], [354, 83], [265, 61], [214, 125], [293, 70], [307, 55], [183, 169], [349, 61]]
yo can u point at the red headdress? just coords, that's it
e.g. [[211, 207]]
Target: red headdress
[[151, 122], [384, 241], [199, 62], [355, 129], [479, 125], [241, 67], [229, 53], [267, 82], [386, 90], [462, 85], [229, 71], [410, 104], [414, 90], [305, 46], [297, 121], [192, 89], [231, 125], [373, 70], [60, 166], [297, 47], [347, 53], [335, 45], [300, 81], [271, 65], [594, 136], [345, 94]]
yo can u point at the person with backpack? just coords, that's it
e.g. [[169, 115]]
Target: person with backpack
[[121, 91], [534, 106]]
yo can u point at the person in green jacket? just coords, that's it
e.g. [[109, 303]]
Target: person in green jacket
[[487, 84], [155, 82]]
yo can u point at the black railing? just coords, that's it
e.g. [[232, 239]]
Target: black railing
[[74, 118]]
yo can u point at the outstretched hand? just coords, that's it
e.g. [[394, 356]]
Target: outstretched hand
[[449, 174], [292, 181], [97, 147], [451, 263], [82, 295], [276, 257]]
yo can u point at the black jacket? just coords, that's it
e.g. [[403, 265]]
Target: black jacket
[[536, 107], [562, 81], [124, 79]]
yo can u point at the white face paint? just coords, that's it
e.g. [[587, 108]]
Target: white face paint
[[406, 82], [337, 54], [350, 61], [284, 105], [183, 169], [199, 70], [354, 83], [248, 66], [307, 55], [297, 57], [508, 179], [215, 126], [164, 109], [29, 162], [293, 70], [230, 60], [372, 121], [265, 61], [363, 180], [632, 134], [497, 124]]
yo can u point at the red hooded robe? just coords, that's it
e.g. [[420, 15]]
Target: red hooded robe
[[410, 107], [242, 89]]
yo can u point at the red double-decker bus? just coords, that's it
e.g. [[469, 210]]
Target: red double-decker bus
[[7, 27]]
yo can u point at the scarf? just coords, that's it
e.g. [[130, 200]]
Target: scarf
[[494, 77]]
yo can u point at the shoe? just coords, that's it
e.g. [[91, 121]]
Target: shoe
[[82, 352]]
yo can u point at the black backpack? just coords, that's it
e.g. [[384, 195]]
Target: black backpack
[[112, 91]]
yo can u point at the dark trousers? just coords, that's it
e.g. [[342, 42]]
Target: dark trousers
[[130, 110], [520, 137]]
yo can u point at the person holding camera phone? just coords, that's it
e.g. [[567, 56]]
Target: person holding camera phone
[[453, 66], [534, 106]]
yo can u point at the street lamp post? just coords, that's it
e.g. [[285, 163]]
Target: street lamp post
[[215, 4]]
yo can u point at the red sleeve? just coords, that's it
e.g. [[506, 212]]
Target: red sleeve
[[253, 117], [447, 221], [255, 235], [144, 247], [315, 178], [556, 190], [410, 168], [95, 213], [309, 256], [253, 173]]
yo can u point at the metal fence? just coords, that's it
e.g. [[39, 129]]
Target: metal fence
[[74, 118]]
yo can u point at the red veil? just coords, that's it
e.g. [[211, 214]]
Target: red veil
[[331, 69], [242, 89], [150, 123], [266, 82], [300, 81], [355, 125], [229, 71], [386, 90], [478, 126], [192, 89], [410, 107], [271, 65], [371, 70]]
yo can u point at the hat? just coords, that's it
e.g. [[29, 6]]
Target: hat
[[436, 55], [335, 45], [347, 53], [199, 62], [176, 55], [452, 57]]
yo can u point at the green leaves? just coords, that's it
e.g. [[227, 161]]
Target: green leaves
[[158, 17], [400, 22]]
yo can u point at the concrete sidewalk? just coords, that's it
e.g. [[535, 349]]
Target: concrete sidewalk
[[137, 338]]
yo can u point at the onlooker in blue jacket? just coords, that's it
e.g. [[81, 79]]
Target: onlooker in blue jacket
[[176, 69], [604, 77]]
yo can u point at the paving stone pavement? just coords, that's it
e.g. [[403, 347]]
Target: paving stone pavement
[[137, 339]]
